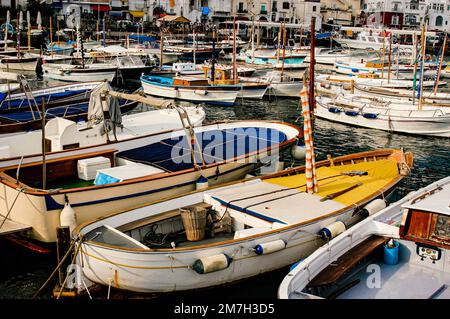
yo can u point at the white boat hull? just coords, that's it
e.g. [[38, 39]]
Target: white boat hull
[[166, 272], [427, 122], [197, 96], [285, 89], [254, 94], [21, 66], [56, 72], [41, 211], [380, 224]]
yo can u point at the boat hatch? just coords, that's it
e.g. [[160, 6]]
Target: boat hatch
[[426, 219]]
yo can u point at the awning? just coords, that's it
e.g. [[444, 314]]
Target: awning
[[100, 7], [137, 14], [170, 18], [115, 13]]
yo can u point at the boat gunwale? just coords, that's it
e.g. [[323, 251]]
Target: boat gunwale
[[296, 170]]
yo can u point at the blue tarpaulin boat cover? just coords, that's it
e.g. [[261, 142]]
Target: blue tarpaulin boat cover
[[174, 154], [324, 35]]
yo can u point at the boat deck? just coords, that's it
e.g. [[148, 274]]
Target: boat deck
[[404, 280], [284, 200]]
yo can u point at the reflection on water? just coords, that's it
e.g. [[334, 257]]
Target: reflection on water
[[24, 274]]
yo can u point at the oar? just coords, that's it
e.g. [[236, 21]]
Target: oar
[[339, 193]]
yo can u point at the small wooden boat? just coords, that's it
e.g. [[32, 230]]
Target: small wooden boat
[[136, 170], [372, 80], [224, 76], [68, 137], [252, 226], [404, 72], [399, 118], [191, 89], [26, 120], [406, 245], [78, 73]]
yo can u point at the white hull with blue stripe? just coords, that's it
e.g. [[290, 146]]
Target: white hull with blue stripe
[[400, 118], [212, 94]]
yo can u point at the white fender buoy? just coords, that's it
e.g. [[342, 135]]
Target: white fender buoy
[[270, 247], [68, 218], [298, 151], [332, 230], [201, 183], [213, 263], [275, 166], [373, 207]]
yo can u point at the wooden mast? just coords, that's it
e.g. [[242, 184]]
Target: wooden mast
[[312, 101], [440, 65], [284, 53], [280, 32], [161, 44], [389, 59], [234, 50], [383, 53], [28, 31], [416, 47]]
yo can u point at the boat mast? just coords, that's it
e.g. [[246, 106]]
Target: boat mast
[[253, 38], [98, 29], [440, 65], [51, 38], [103, 32], [312, 101], [279, 41], [161, 45], [284, 53], [18, 36], [416, 48], [234, 51], [193, 43], [6, 29], [389, 58], [213, 59], [422, 49], [383, 53], [29, 30]]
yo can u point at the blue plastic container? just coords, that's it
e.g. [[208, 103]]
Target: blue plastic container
[[391, 254]]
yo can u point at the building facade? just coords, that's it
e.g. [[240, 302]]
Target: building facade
[[408, 14]]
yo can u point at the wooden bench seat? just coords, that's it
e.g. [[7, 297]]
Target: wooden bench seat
[[337, 269]]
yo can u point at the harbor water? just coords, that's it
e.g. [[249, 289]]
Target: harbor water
[[22, 272]]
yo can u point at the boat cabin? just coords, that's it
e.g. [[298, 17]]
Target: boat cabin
[[426, 221], [223, 74]]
